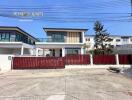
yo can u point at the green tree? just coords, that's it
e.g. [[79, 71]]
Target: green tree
[[102, 39]]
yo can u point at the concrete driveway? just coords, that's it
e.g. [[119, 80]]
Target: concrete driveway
[[75, 84]]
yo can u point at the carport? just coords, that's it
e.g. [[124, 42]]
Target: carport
[[16, 48]]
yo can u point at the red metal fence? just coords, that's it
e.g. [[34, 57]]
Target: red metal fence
[[77, 59], [60, 62], [38, 63], [104, 59], [125, 59]]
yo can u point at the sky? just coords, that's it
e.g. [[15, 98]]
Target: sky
[[115, 15]]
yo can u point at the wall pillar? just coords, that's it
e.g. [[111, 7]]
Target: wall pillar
[[83, 37], [82, 51], [63, 52], [91, 59], [117, 59], [37, 50], [22, 50], [31, 51]]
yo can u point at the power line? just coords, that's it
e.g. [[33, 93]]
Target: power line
[[73, 13]]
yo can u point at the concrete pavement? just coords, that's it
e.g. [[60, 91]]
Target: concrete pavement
[[75, 84]]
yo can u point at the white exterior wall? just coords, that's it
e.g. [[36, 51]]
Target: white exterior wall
[[5, 63]]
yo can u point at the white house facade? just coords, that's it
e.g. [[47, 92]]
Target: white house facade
[[61, 42]]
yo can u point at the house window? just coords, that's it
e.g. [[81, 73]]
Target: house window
[[87, 39], [12, 37], [125, 40], [57, 37], [18, 37], [131, 40], [73, 51], [118, 40], [0, 37], [3, 36]]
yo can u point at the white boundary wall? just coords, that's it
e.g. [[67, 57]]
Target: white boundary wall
[[96, 66], [91, 65], [5, 62]]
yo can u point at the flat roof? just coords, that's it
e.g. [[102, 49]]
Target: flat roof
[[15, 28], [64, 29]]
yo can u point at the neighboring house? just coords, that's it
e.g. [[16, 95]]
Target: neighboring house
[[16, 41], [121, 44], [61, 42]]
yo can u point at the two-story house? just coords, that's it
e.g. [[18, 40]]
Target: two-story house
[[16, 41], [121, 44], [61, 42]]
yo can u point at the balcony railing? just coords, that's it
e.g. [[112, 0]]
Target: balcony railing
[[51, 40]]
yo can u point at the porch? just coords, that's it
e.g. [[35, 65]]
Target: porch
[[16, 48], [58, 49]]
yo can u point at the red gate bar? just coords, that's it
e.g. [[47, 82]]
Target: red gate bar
[[125, 59], [104, 59], [77, 59]]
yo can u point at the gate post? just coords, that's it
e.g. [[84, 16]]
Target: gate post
[[37, 50], [117, 59], [63, 52], [22, 50], [91, 59]]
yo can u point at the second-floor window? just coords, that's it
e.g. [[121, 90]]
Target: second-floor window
[[125, 39], [118, 40], [12, 37], [56, 37], [4, 36], [87, 39]]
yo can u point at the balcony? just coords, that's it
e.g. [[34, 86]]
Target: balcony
[[51, 39]]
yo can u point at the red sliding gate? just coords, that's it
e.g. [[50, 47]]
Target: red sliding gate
[[60, 62], [49, 62], [125, 59], [38, 63], [104, 59], [77, 59]]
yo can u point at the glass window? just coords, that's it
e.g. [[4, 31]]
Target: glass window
[[17, 37], [3, 36], [0, 36], [87, 39], [7, 35], [57, 37], [118, 40], [125, 39], [73, 51], [12, 37]]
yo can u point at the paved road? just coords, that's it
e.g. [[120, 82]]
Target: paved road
[[75, 84]]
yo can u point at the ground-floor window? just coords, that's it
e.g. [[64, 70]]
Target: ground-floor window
[[73, 51], [55, 53]]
